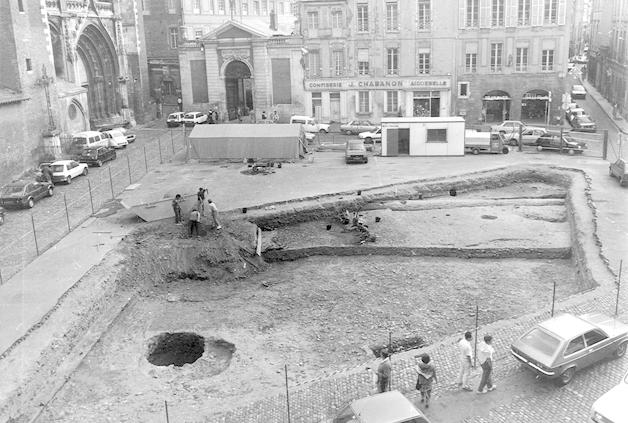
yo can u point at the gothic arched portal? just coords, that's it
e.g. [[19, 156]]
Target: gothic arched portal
[[98, 55], [239, 88]]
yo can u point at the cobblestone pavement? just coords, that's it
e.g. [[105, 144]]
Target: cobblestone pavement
[[29, 231]]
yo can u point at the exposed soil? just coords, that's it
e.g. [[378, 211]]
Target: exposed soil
[[318, 315]]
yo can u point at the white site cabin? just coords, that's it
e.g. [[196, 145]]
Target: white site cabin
[[423, 136]]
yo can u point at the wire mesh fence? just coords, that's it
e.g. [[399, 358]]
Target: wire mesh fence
[[28, 233]]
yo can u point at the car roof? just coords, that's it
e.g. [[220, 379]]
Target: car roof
[[86, 134], [18, 183], [567, 326], [579, 87], [58, 162], [387, 407]]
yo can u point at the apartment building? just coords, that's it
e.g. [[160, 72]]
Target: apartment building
[[608, 52], [487, 60]]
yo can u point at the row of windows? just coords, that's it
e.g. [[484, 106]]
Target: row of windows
[[547, 11], [424, 61], [520, 59], [239, 7], [391, 103]]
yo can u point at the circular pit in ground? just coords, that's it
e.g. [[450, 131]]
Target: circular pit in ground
[[177, 349]]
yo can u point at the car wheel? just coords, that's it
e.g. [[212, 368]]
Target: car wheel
[[513, 142], [505, 150], [566, 376], [31, 203], [366, 160], [50, 192], [369, 140], [113, 157], [322, 131], [99, 163], [475, 151], [68, 179], [621, 350], [571, 152], [610, 172], [539, 148], [85, 172]]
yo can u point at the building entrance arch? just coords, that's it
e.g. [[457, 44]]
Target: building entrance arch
[[239, 89], [100, 64], [535, 106], [496, 106]]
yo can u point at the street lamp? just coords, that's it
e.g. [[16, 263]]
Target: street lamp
[[548, 108]]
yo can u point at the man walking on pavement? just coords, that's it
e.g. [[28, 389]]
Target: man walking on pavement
[[485, 357], [383, 373], [466, 361]]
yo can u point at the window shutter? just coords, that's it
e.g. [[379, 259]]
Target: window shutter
[[537, 12], [561, 12], [461, 13], [485, 13]]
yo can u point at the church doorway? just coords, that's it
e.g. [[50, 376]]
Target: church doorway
[[239, 88]]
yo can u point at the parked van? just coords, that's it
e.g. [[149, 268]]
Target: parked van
[[86, 139], [310, 124]]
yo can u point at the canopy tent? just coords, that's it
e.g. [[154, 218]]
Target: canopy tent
[[240, 141]]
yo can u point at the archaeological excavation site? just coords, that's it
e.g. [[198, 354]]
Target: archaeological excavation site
[[301, 295]]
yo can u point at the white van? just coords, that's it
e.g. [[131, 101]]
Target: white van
[[310, 124], [86, 139]]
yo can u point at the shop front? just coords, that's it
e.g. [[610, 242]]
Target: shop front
[[496, 106], [535, 106], [339, 100]]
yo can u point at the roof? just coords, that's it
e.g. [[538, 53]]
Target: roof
[[58, 162], [566, 326], [86, 134], [387, 407], [256, 27], [246, 130]]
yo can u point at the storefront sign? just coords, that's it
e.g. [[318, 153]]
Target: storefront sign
[[407, 84]]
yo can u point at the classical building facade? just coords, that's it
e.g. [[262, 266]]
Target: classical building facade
[[608, 52], [241, 55], [67, 66]]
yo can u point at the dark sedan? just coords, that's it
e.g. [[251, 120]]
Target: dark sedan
[[554, 142], [559, 346], [24, 193], [583, 124], [96, 156]]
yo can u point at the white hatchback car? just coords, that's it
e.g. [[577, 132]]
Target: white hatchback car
[[117, 139], [193, 118], [310, 124], [612, 407], [65, 170]]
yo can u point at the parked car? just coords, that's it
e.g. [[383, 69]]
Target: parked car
[[97, 156], [530, 136], [511, 126], [310, 124], [619, 170], [357, 126], [355, 152], [563, 344], [174, 119], [580, 59], [130, 137], [583, 123], [574, 112], [116, 138], [551, 141], [387, 407], [612, 407], [578, 91], [24, 193], [369, 137], [65, 170], [193, 118]]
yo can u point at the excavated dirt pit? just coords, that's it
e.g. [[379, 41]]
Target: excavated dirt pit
[[318, 314], [175, 349]]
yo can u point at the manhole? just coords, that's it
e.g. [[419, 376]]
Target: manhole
[[175, 348], [489, 217]]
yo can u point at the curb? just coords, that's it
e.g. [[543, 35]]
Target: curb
[[594, 97]]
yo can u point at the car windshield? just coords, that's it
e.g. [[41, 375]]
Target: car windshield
[[12, 189], [80, 140], [57, 168], [90, 153], [541, 341], [172, 116], [189, 116], [355, 145]]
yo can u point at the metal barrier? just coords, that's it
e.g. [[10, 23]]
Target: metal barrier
[[27, 234]]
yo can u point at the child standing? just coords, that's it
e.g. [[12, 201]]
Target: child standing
[[176, 206]]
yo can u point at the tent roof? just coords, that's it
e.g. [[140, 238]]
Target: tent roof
[[259, 130]]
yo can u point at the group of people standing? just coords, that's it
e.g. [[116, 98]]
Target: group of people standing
[[197, 212], [426, 371]]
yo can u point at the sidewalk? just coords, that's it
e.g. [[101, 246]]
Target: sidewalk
[[621, 124]]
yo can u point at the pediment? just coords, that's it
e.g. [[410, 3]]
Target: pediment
[[234, 32]]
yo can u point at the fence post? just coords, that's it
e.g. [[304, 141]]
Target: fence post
[[161, 159], [67, 215], [91, 199], [128, 165], [1, 277], [553, 298], [520, 142], [172, 141], [605, 144], [145, 160], [111, 183], [287, 393], [34, 234]]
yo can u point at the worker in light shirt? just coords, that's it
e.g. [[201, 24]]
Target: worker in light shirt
[[485, 357]]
